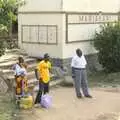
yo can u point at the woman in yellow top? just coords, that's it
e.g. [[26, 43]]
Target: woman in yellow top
[[43, 69]]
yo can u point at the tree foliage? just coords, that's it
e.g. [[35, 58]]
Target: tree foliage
[[8, 14], [107, 42]]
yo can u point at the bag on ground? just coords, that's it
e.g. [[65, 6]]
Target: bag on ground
[[46, 101]]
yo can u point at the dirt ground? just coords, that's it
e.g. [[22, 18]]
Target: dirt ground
[[105, 105]]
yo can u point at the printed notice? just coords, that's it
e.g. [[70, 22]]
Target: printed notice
[[39, 34], [52, 34], [43, 34], [33, 33], [75, 19]]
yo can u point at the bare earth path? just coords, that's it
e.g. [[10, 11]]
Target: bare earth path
[[105, 105]]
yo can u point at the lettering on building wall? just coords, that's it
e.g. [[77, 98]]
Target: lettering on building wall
[[46, 34], [91, 18], [81, 27]]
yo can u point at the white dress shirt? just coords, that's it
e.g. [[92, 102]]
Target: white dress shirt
[[78, 62]]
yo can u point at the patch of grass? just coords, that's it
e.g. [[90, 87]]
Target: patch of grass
[[7, 108], [102, 78]]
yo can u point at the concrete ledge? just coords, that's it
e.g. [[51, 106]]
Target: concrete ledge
[[68, 81], [52, 84]]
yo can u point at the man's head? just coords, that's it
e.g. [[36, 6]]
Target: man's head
[[46, 57], [78, 52], [21, 60]]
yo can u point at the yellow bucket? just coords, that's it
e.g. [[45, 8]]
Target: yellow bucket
[[26, 102]]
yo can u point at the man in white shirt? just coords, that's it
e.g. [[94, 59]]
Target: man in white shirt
[[79, 74]]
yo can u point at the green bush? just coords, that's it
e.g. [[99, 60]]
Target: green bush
[[107, 42]]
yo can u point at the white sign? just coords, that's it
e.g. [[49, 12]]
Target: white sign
[[81, 32], [81, 27], [39, 34]]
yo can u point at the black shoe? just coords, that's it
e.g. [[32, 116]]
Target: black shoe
[[88, 96], [79, 96]]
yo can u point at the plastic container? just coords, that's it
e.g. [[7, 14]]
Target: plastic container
[[26, 102]]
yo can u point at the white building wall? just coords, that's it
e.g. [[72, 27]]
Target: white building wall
[[69, 48], [42, 19], [84, 31], [91, 5], [42, 5]]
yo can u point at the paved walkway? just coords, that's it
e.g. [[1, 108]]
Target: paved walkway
[[105, 105]]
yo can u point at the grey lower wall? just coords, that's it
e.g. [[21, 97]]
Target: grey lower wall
[[92, 66]]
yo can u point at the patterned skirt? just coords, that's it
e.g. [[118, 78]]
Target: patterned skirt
[[21, 85]]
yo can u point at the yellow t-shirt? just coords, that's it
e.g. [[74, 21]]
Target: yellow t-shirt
[[43, 69]]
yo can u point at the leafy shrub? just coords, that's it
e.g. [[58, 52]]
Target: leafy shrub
[[107, 42]]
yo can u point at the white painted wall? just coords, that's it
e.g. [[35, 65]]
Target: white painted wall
[[42, 19], [91, 5], [84, 31], [42, 5], [62, 50], [69, 49]]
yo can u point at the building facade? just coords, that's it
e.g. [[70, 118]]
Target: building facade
[[58, 27]]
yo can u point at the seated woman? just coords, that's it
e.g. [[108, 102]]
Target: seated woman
[[20, 77]]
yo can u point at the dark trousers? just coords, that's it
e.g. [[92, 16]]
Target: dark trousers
[[43, 89]]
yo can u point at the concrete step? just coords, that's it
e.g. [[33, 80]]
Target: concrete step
[[11, 58], [30, 82], [9, 64], [33, 81], [6, 58], [15, 51], [30, 68], [8, 71], [68, 81], [30, 75], [52, 84]]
